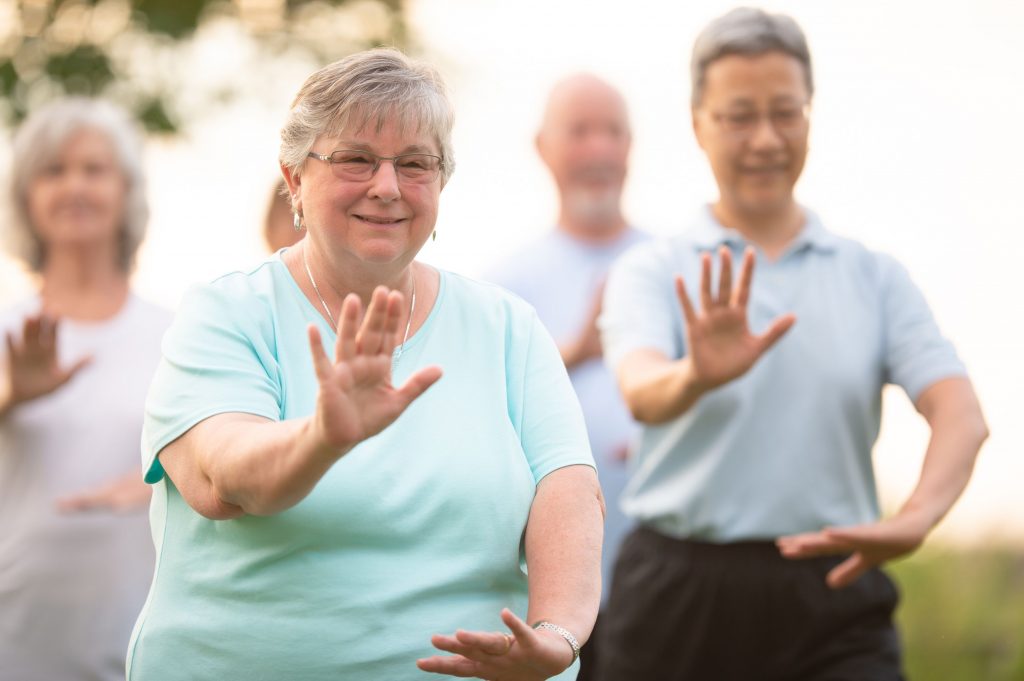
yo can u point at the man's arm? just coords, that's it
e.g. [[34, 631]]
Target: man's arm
[[958, 430]]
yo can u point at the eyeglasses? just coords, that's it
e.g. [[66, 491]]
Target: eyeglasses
[[358, 166], [788, 121]]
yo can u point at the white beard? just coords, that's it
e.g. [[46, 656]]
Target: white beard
[[593, 206]]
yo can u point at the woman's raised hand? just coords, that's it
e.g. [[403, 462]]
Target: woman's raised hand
[[524, 655], [33, 369], [356, 399], [720, 346]]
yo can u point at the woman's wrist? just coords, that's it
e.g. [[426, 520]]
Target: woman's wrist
[[312, 440], [567, 637]]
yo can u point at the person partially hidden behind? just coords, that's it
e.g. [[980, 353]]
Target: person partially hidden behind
[[759, 542]]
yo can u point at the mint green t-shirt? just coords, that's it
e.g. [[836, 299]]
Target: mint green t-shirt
[[418, 530]]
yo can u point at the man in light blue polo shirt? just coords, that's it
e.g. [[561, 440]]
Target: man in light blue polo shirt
[[759, 541]]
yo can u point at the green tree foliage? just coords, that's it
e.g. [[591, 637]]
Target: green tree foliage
[[142, 53]]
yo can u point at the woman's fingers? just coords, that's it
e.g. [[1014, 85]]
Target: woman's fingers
[[321, 363], [48, 333], [725, 277], [348, 324], [371, 333], [454, 645], [811, 544], [520, 629], [418, 384], [452, 666], [30, 335], [706, 301], [491, 643], [776, 331], [746, 277], [847, 572], [684, 299], [392, 324]]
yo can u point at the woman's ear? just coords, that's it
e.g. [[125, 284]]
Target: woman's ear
[[294, 183]]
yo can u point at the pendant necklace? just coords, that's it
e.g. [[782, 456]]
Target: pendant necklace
[[334, 324]]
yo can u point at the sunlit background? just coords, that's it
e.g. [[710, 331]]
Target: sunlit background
[[916, 150]]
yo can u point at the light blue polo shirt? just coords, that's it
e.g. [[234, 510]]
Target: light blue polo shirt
[[416, 531], [560, 275], [785, 448]]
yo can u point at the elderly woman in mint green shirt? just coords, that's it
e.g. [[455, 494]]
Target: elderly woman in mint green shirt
[[326, 499]]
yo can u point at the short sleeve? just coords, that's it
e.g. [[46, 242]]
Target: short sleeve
[[216, 358], [546, 412], [916, 353], [639, 310]]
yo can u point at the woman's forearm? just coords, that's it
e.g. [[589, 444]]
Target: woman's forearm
[[957, 432], [232, 464], [563, 550], [657, 389]]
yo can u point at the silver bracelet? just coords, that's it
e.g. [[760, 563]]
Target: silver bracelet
[[564, 633]]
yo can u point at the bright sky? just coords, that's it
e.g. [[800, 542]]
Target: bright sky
[[916, 147]]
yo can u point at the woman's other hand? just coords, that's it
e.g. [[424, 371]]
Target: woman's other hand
[[524, 655], [356, 399], [718, 338], [33, 369]]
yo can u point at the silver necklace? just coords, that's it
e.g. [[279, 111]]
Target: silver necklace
[[334, 324]]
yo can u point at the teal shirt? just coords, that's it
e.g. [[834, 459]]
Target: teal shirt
[[785, 448], [418, 530]]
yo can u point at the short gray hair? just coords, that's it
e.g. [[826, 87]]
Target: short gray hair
[[37, 144], [367, 87], [751, 32]]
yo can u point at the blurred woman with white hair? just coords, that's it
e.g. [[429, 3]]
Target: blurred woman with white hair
[[75, 555]]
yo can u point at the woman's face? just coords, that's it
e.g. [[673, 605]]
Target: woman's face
[[78, 198], [757, 167], [384, 220]]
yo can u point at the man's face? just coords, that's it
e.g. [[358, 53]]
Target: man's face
[[585, 142], [752, 124]]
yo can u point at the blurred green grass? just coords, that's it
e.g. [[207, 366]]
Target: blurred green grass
[[962, 614]]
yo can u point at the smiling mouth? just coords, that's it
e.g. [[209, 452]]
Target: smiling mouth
[[376, 220], [763, 170]]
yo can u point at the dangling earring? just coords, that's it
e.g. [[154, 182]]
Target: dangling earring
[[297, 222], [433, 237]]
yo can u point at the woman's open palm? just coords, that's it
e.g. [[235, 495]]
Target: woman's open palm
[[719, 342], [33, 368], [356, 398]]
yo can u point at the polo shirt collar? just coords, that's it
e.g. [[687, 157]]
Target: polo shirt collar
[[708, 234]]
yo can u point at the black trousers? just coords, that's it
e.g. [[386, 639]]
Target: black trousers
[[682, 610]]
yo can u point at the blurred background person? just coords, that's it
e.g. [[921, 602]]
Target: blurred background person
[[320, 521], [584, 140], [75, 552], [280, 229], [759, 543]]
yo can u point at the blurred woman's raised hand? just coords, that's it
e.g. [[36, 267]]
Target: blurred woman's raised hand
[[719, 343], [356, 398], [33, 369]]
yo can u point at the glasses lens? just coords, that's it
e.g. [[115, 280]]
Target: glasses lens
[[359, 166], [418, 168], [739, 121], [352, 165], [788, 119]]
